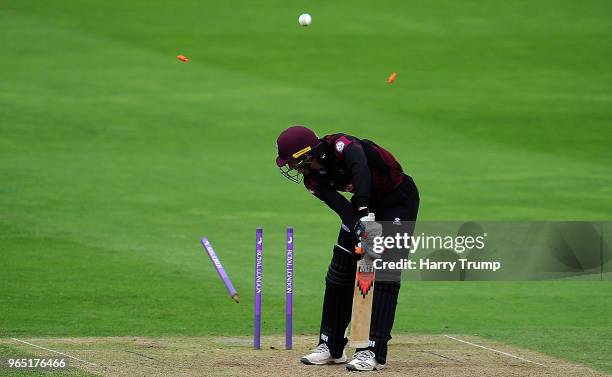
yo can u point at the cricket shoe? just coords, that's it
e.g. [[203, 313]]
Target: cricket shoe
[[364, 361], [321, 356]]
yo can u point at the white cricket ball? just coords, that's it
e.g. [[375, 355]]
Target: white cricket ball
[[305, 19]]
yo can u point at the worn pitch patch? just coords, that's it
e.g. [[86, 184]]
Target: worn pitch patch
[[214, 356]]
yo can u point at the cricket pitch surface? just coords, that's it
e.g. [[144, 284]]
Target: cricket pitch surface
[[409, 355]]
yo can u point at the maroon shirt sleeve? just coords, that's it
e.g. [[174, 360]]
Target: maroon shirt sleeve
[[357, 163], [334, 200], [346, 148]]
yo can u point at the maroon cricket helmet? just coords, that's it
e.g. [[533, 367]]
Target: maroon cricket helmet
[[295, 142]]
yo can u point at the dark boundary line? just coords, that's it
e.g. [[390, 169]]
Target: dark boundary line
[[442, 356], [140, 354]]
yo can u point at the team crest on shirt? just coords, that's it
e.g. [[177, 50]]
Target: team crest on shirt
[[339, 146]]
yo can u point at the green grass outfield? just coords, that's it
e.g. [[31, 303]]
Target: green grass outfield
[[115, 157]]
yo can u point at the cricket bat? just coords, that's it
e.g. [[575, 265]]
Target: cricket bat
[[362, 303]]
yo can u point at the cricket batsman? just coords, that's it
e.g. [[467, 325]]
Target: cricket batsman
[[343, 163]]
